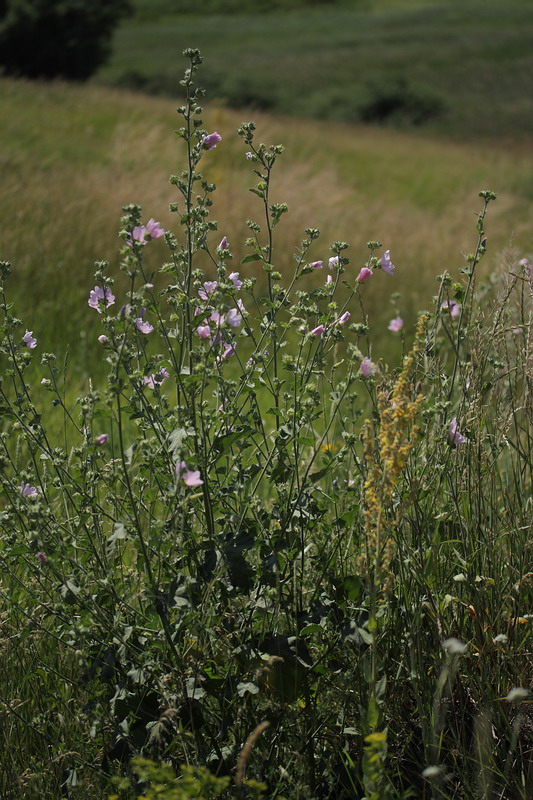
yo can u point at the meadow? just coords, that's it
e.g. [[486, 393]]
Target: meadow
[[72, 156], [455, 69], [255, 539]]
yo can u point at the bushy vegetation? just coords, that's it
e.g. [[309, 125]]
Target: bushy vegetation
[[146, 9], [439, 67], [256, 548], [57, 38]]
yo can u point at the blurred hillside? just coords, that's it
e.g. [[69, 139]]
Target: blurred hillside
[[454, 69]]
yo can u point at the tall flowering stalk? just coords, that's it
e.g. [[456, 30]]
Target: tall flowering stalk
[[386, 455]]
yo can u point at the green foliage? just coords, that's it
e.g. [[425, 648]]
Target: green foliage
[[160, 782], [147, 9], [57, 38], [255, 547]]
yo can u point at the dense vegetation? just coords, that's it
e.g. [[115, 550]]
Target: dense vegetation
[[57, 38], [259, 546], [460, 69]]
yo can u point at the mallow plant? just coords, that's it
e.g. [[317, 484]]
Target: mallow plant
[[257, 559]]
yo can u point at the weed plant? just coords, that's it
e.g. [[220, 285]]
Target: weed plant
[[256, 560]]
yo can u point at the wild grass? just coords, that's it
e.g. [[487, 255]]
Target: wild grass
[[72, 156], [448, 68]]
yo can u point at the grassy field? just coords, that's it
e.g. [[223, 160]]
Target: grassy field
[[71, 157], [453, 69]]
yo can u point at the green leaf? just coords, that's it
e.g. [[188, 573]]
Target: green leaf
[[175, 440], [352, 586], [251, 257], [311, 628], [222, 444]]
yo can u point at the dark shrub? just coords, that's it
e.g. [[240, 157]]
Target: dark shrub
[[57, 38]]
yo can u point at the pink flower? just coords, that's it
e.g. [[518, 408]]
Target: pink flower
[[329, 279], [210, 140], [229, 350], [234, 318], [28, 340], [42, 557], [318, 331], [234, 278], [26, 489], [138, 235], [240, 306], [344, 318], [203, 331], [97, 296], [453, 307], [386, 263], [316, 264], [249, 156], [209, 288], [142, 326], [189, 477], [395, 324], [364, 274], [224, 244], [101, 439], [455, 436], [154, 229], [367, 367], [103, 339], [156, 379], [217, 318], [333, 262]]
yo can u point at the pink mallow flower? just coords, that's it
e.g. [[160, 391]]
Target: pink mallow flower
[[333, 262], [395, 324], [188, 476], [234, 318], [224, 244], [234, 278], [101, 439], [318, 331], [329, 279], [98, 296], [142, 326], [203, 331], [343, 319], [367, 367], [386, 263], [453, 307], [210, 140], [42, 557], [364, 274], [316, 264], [455, 436], [217, 318], [27, 489], [156, 379], [249, 156], [28, 340], [103, 339], [208, 288], [154, 229], [229, 350]]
